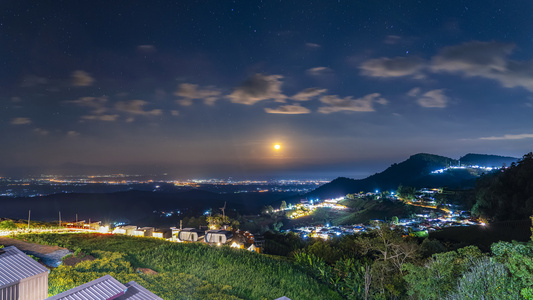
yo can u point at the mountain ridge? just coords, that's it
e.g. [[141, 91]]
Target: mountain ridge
[[414, 171]]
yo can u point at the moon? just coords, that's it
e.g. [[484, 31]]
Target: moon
[[277, 146]]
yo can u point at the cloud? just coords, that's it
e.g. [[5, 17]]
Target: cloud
[[473, 58], [414, 92], [190, 91], [107, 118], [20, 121], [312, 45], [433, 99], [318, 71], [174, 112], [509, 137], [185, 102], [136, 107], [308, 94], [40, 131], [295, 109], [486, 60], [392, 39], [394, 67], [32, 80], [336, 104], [257, 88], [98, 108], [382, 101], [16, 99], [146, 48], [98, 104], [489, 60], [73, 133], [81, 78]]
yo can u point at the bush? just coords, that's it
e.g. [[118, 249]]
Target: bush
[[486, 279]]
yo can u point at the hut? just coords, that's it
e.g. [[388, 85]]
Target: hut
[[218, 236], [144, 231], [127, 230], [163, 233], [190, 234], [21, 277]]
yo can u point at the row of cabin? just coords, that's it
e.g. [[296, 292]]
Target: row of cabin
[[220, 237], [132, 230], [186, 235], [192, 235]]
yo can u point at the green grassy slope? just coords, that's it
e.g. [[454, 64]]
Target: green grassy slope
[[211, 272]]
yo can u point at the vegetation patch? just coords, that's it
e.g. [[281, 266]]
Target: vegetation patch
[[185, 271]]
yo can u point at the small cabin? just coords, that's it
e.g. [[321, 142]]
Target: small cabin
[[163, 233], [191, 234], [21, 277], [127, 230], [218, 236], [144, 231]]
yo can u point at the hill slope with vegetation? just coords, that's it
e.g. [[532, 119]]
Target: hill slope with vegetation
[[184, 271], [415, 171], [507, 194], [487, 160]]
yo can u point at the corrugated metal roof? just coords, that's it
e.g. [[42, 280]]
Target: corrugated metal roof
[[105, 287], [137, 292], [16, 266]]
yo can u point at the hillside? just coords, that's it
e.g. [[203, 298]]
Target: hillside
[[414, 171], [184, 271], [507, 195], [487, 160]]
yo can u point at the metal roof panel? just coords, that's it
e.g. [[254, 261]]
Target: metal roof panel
[[16, 266]]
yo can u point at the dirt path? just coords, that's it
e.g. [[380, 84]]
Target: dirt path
[[29, 247], [50, 255]]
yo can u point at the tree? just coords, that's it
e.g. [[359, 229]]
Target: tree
[[390, 252], [437, 277], [283, 205], [518, 258], [218, 220], [406, 192], [8, 225]]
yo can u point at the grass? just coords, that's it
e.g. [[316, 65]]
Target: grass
[[232, 272]]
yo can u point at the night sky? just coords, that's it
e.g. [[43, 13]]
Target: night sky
[[207, 88]]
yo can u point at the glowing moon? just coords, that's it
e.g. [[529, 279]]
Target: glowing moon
[[277, 146]]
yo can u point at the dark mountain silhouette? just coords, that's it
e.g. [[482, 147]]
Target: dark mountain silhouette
[[487, 160], [415, 171]]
